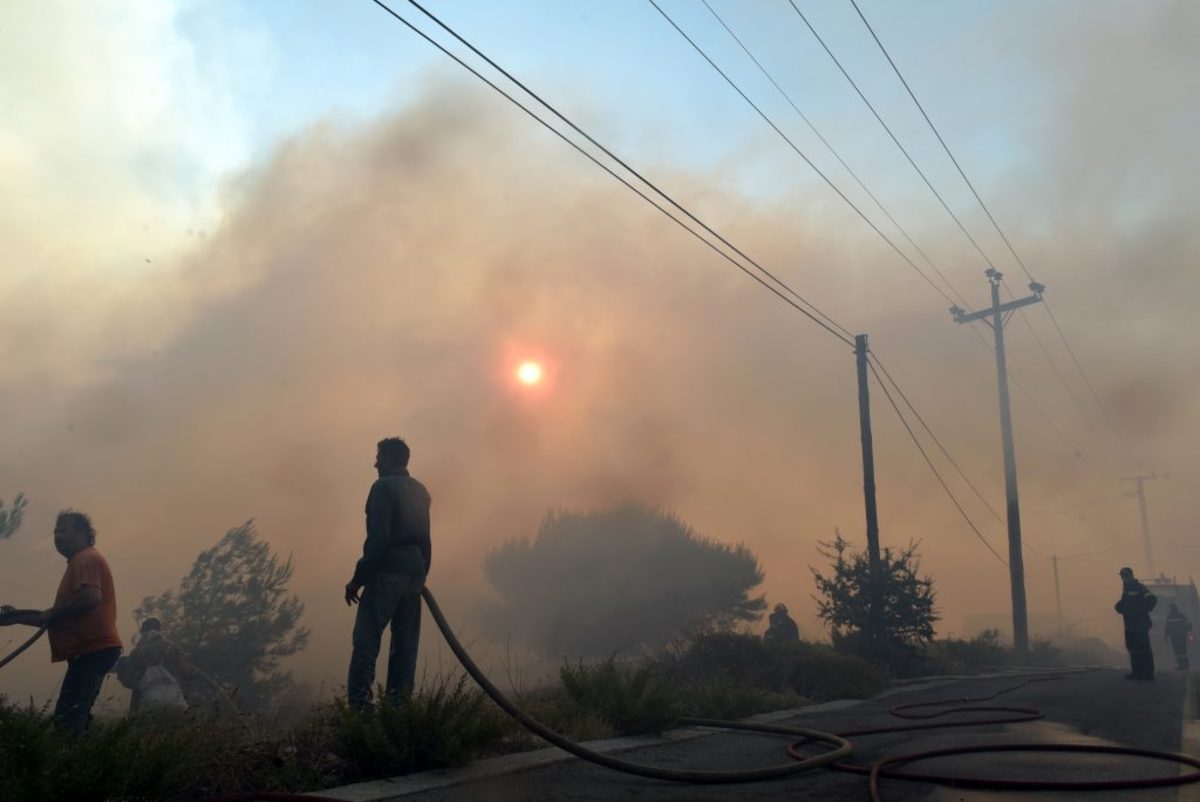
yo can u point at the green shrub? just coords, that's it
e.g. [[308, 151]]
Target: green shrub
[[188, 755], [964, 656], [723, 698], [442, 726], [821, 674], [632, 699], [708, 665]]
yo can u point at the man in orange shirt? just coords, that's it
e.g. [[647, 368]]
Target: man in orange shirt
[[82, 624]]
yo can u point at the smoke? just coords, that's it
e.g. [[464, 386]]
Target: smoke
[[385, 278]]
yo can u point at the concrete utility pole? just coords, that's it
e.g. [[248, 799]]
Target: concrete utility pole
[[999, 314], [1140, 481], [868, 460]]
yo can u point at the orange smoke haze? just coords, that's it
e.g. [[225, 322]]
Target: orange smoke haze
[[386, 279]]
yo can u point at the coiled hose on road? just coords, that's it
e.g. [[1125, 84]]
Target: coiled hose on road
[[886, 767]]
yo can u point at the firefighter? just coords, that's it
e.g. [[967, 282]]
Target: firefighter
[[1135, 606], [781, 629], [1176, 631]]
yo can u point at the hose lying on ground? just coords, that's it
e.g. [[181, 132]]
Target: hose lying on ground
[[800, 764], [886, 767]]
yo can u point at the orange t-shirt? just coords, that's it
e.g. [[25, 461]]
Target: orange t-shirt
[[97, 628]]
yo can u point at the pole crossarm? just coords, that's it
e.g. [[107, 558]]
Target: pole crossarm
[[960, 316]]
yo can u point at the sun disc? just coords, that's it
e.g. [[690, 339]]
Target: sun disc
[[529, 373]]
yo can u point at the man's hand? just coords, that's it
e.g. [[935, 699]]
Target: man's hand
[[29, 618], [352, 593]]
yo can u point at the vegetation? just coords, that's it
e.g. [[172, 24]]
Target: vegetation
[[197, 754], [906, 614], [986, 651], [593, 584], [189, 756], [714, 669], [233, 617], [10, 519]]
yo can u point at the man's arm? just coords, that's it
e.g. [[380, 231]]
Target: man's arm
[[379, 537], [85, 599], [426, 541]]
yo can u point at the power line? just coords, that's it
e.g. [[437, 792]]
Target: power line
[[778, 131], [933, 467], [962, 474], [935, 439], [1087, 382], [896, 140], [831, 326], [812, 126], [929, 184], [939, 138], [1050, 359], [801, 153], [1004, 237]]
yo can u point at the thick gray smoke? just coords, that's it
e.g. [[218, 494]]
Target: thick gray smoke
[[385, 279]]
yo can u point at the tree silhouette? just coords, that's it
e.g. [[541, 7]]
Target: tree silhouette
[[233, 616], [10, 520], [907, 612], [594, 583]]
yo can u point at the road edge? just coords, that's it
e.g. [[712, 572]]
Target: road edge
[[391, 788]]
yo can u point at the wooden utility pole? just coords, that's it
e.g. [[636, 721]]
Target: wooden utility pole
[[999, 314], [1140, 481], [1057, 595], [868, 461]]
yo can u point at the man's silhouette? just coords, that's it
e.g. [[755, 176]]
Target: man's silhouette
[[391, 574]]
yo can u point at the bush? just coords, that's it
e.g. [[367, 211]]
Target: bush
[[987, 651], [442, 726], [709, 664], [887, 622], [960, 656], [188, 756], [631, 699], [591, 584]]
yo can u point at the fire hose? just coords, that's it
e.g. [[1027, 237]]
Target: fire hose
[[886, 767], [8, 616]]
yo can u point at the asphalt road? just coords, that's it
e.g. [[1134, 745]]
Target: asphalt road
[[1099, 707]]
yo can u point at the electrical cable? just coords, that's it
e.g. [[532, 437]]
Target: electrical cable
[[933, 467], [801, 154], [929, 184], [805, 763], [816, 315], [1087, 382], [896, 140], [741, 267], [996, 225], [934, 437], [829, 146], [862, 185], [962, 474]]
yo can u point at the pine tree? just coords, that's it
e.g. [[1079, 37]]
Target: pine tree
[[233, 617]]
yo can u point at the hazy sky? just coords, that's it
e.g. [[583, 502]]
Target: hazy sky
[[244, 240]]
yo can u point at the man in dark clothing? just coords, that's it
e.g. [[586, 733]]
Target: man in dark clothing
[[1176, 631], [1135, 606], [781, 628], [391, 574]]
